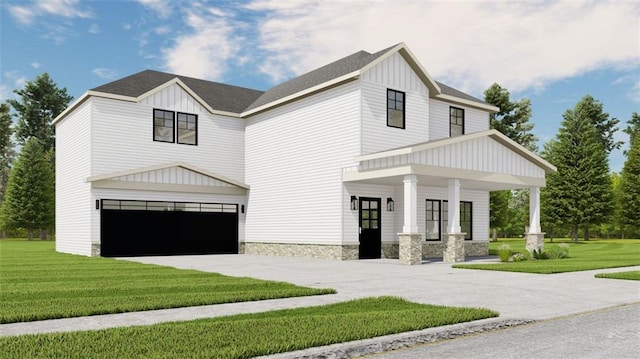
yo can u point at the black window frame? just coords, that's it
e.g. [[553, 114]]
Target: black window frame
[[178, 128], [454, 114], [175, 138], [466, 224], [173, 122], [395, 105], [429, 218]]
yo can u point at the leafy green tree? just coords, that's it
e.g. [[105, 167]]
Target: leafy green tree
[[513, 121], [7, 152], [580, 193], [40, 102], [592, 110], [29, 200], [629, 195]]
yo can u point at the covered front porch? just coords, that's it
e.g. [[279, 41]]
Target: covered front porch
[[479, 162]]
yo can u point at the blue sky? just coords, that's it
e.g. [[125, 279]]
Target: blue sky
[[552, 52]]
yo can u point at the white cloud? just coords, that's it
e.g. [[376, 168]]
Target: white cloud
[[467, 44], [36, 65], [162, 30], [161, 7], [94, 29], [204, 51], [26, 15], [9, 81], [126, 26], [105, 73]]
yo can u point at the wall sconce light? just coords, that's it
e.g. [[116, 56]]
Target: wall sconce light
[[354, 203], [242, 208], [390, 204], [97, 204]]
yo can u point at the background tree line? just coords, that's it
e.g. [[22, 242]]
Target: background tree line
[[582, 199]]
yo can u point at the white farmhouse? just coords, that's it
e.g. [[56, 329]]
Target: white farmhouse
[[366, 157]]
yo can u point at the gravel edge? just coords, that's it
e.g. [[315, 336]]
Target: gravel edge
[[399, 341]]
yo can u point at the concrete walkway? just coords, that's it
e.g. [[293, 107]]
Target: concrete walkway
[[513, 295]]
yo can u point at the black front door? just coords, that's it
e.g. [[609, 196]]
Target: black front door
[[370, 235]]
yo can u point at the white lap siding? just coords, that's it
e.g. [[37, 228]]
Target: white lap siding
[[479, 207], [393, 73], [294, 159], [122, 139], [73, 193], [474, 120]]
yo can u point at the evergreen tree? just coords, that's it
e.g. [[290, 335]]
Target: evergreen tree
[[29, 199], [513, 118], [40, 102], [580, 193], [592, 110], [630, 179], [7, 153], [513, 121]]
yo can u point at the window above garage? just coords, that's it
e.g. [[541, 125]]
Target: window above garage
[[165, 128], [133, 205]]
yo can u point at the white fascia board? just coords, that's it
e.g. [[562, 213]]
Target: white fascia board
[[523, 151], [72, 107], [168, 165], [465, 102], [302, 93], [494, 134], [355, 176], [191, 93], [162, 187]]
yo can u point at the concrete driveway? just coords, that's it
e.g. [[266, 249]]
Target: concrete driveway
[[513, 295]]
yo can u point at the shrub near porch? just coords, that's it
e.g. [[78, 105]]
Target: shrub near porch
[[583, 255]]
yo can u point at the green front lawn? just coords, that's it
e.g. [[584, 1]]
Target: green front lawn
[[630, 275], [38, 283], [584, 255], [246, 335]]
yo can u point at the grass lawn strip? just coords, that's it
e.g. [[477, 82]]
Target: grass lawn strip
[[246, 335], [38, 283], [584, 255], [630, 275]]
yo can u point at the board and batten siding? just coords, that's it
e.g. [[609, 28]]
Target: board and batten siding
[[294, 159], [73, 193], [139, 195], [393, 73], [479, 208], [474, 120], [480, 154], [122, 136]]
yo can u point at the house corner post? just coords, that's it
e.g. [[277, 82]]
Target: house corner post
[[534, 238], [410, 240], [454, 238]]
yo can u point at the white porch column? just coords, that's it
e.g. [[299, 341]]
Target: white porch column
[[410, 204], [454, 239], [534, 210], [410, 240], [454, 206], [534, 238]]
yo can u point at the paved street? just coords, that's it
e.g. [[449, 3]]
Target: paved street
[[609, 333]]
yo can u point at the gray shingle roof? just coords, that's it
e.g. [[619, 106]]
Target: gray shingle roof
[[219, 96], [236, 99], [318, 76], [448, 90]]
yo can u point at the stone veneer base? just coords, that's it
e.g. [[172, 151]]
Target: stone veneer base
[[95, 249], [390, 250], [410, 248], [319, 251], [454, 248], [534, 241]]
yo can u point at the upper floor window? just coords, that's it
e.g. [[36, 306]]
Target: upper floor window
[[187, 129], [395, 108], [456, 121], [163, 124], [165, 127]]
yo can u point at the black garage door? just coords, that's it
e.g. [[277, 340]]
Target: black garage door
[[146, 228]]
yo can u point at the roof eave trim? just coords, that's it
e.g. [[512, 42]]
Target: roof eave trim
[[478, 105], [494, 134], [75, 104], [302, 93], [168, 165]]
